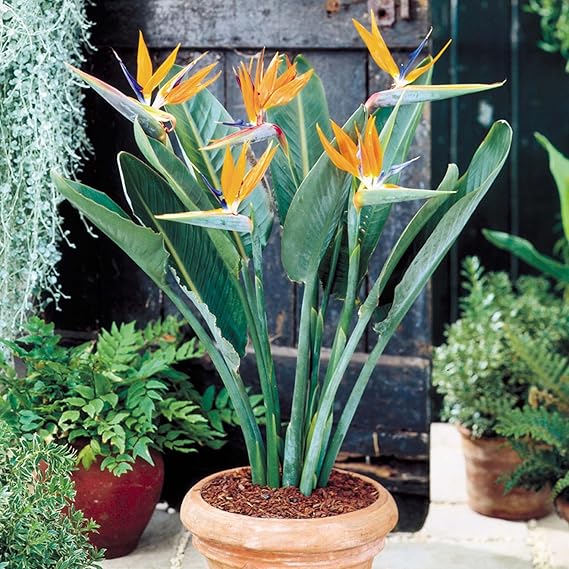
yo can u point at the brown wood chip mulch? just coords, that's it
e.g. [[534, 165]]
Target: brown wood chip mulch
[[236, 493]]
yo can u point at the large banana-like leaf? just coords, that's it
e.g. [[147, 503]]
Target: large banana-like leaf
[[485, 166], [298, 120], [213, 277], [525, 251], [141, 244], [559, 167], [198, 121], [471, 188], [184, 185], [315, 212]]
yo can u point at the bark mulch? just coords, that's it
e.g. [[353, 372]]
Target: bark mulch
[[236, 493]]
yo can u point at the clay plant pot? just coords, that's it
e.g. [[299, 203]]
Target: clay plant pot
[[122, 506], [231, 541], [488, 459], [562, 508]]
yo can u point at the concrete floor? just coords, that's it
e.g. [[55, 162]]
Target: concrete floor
[[453, 537]]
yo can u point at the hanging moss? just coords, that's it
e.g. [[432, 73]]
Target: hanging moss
[[42, 126]]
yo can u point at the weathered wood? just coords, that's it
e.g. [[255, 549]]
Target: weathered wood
[[393, 418], [247, 24]]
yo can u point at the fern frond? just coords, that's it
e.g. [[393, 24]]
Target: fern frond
[[551, 368], [540, 425], [561, 485]]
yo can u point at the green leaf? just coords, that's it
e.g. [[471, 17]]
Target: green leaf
[[130, 108], [525, 251], [196, 257], [69, 416], [423, 93], [208, 398], [212, 219], [226, 348], [559, 167], [298, 120], [85, 391], [198, 121], [315, 212], [395, 195], [141, 244], [471, 188]]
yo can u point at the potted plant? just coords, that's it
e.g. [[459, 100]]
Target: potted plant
[[555, 268], [39, 526], [539, 432], [203, 218], [119, 400], [481, 377]]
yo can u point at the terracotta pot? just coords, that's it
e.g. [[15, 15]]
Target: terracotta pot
[[231, 541], [562, 508], [488, 459], [122, 506]]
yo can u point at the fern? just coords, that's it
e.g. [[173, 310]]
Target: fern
[[561, 486], [541, 425]]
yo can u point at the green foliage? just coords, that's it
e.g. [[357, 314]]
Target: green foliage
[[39, 526], [554, 22], [540, 430], [328, 240], [42, 126], [116, 397], [549, 266], [478, 370]]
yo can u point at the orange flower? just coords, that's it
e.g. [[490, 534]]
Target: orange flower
[[363, 160], [382, 56], [265, 88], [236, 185]]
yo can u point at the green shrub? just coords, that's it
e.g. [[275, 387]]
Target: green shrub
[[477, 371], [118, 396], [540, 430], [39, 528]]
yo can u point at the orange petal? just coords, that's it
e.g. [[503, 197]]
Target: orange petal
[[346, 145], [418, 71], [143, 62], [227, 172], [187, 89], [337, 159], [288, 92], [253, 177], [250, 98], [373, 147], [233, 194], [160, 74], [377, 47]]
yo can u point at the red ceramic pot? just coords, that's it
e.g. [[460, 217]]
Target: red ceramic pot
[[122, 506], [562, 508]]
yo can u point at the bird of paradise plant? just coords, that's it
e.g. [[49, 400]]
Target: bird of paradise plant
[[203, 218]]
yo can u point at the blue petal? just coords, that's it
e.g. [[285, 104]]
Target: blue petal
[[217, 193], [397, 168], [414, 55], [239, 124], [131, 80]]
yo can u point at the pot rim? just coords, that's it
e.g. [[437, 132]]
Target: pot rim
[[352, 529]]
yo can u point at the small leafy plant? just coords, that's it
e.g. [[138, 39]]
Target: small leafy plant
[[539, 431], [204, 215], [39, 527], [554, 23], [116, 397], [557, 269], [477, 370]]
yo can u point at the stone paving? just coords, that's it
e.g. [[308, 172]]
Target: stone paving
[[453, 536]]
